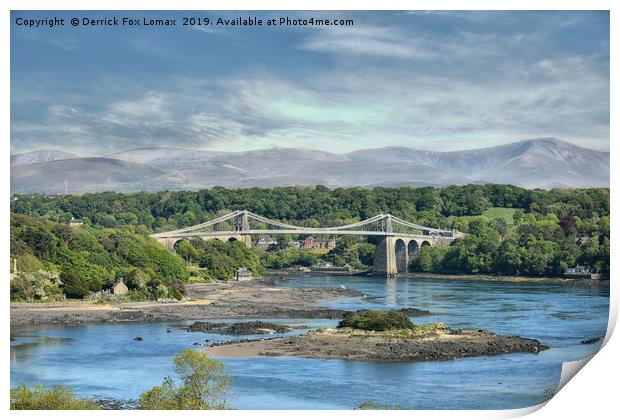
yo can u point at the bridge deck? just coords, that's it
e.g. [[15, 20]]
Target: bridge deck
[[238, 223], [294, 232]]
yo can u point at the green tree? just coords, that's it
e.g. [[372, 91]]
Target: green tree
[[372, 405], [127, 218], [186, 251], [203, 385], [425, 259]]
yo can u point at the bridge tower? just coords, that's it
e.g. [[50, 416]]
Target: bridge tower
[[242, 224]]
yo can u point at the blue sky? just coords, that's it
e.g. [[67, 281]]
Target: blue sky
[[428, 80]]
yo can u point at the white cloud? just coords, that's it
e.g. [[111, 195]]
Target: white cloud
[[443, 91], [151, 105], [366, 40]]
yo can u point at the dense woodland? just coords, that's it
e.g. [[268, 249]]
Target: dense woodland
[[545, 233], [54, 259], [435, 207]]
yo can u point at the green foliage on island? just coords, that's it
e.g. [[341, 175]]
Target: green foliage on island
[[203, 386], [218, 260], [54, 259], [38, 397], [376, 320]]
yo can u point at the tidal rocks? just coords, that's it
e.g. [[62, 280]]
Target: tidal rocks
[[107, 403], [255, 327], [591, 340], [204, 326], [412, 312], [239, 328]]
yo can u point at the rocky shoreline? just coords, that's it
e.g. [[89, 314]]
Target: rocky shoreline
[[469, 277], [242, 300], [509, 279], [438, 343]]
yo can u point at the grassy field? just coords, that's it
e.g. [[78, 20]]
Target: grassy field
[[501, 213], [496, 212]]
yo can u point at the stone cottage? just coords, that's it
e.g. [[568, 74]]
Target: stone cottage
[[119, 288]]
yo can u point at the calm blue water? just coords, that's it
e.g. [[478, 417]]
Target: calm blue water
[[104, 360]]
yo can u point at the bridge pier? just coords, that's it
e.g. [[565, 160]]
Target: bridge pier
[[247, 240], [385, 257]]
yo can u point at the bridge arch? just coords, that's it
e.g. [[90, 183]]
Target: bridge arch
[[172, 243], [413, 247], [177, 242], [425, 243], [402, 260]]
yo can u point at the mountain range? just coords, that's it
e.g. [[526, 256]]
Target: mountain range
[[540, 163]]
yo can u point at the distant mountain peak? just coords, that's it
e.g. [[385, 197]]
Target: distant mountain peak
[[535, 163], [38, 156]]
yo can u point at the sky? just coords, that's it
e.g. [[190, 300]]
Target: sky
[[428, 80]]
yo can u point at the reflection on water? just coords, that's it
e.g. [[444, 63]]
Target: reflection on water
[[22, 349], [104, 360], [390, 292]]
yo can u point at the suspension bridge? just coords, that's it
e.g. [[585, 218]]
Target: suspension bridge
[[399, 241]]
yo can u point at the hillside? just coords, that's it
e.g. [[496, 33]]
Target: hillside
[[87, 175]]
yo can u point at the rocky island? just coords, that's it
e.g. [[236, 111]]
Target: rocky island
[[382, 336]]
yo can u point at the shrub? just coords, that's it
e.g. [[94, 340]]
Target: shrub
[[28, 263], [372, 320], [73, 285], [39, 286], [371, 405], [203, 385], [40, 398]]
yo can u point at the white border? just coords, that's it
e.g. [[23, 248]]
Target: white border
[[591, 396]]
